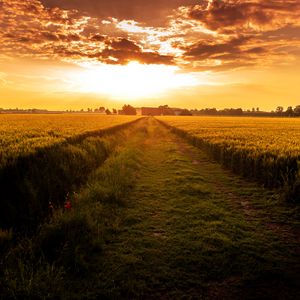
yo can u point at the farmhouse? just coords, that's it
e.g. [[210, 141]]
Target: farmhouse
[[151, 111], [163, 110]]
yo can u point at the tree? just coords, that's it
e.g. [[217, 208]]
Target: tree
[[129, 110], [289, 111], [185, 112], [297, 110], [108, 112], [279, 109], [114, 111], [102, 110]]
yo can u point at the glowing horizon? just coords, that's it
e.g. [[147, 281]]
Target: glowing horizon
[[131, 81], [63, 55]]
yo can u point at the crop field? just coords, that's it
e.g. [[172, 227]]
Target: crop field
[[43, 157], [267, 149], [276, 136], [116, 207], [23, 134]]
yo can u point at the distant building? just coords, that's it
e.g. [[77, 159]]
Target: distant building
[[151, 111], [166, 110], [163, 110], [138, 111], [177, 111]]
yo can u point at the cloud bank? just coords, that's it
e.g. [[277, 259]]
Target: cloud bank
[[194, 35]]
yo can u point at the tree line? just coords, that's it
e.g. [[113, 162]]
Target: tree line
[[278, 112], [128, 109]]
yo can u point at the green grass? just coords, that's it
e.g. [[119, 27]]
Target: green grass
[[30, 181], [66, 250], [183, 237], [255, 150], [159, 220]]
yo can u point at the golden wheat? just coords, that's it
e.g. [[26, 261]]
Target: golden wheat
[[267, 149], [23, 134]]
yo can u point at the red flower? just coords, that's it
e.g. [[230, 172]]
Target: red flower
[[68, 204]]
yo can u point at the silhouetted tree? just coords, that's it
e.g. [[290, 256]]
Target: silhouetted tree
[[102, 109], [129, 110], [297, 110], [289, 112], [209, 111], [185, 112], [279, 110], [108, 112]]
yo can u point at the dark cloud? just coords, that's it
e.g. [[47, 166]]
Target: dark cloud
[[199, 34], [123, 57], [204, 50], [222, 15], [257, 50], [287, 32], [49, 36], [243, 33], [124, 45], [97, 37], [119, 51], [222, 55], [152, 12], [29, 29]]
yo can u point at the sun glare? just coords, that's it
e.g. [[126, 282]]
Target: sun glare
[[131, 81]]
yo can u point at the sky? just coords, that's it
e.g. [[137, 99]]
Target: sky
[[73, 54]]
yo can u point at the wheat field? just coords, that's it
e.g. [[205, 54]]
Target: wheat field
[[267, 149], [24, 134]]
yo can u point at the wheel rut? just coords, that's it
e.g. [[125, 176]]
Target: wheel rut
[[187, 233]]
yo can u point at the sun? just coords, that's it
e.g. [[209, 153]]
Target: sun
[[130, 81]]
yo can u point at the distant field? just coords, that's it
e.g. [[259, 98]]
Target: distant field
[[23, 134], [264, 135], [265, 148]]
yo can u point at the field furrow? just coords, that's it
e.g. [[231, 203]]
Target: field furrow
[[264, 149], [21, 135], [157, 218]]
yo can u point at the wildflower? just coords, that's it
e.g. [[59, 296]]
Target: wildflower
[[50, 208], [68, 205]]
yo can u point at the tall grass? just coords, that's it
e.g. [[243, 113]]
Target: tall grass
[[67, 249], [30, 182], [22, 135], [281, 170]]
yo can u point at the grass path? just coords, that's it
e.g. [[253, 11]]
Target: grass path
[[193, 231]]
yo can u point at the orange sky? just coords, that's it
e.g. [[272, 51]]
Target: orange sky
[[61, 54]]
